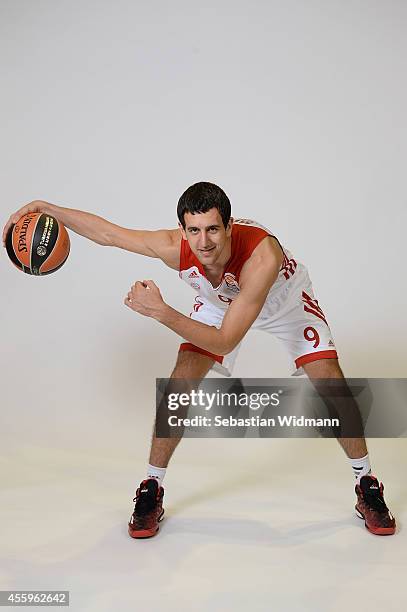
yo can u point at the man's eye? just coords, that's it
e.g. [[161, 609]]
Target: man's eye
[[213, 230]]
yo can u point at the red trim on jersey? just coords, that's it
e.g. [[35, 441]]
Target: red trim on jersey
[[187, 346], [245, 239], [310, 357]]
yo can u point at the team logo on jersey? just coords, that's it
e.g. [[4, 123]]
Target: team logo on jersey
[[193, 279], [231, 282]]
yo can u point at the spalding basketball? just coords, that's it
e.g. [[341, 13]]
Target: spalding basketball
[[38, 244]]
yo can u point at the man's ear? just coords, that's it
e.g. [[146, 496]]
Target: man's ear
[[229, 225], [183, 234]]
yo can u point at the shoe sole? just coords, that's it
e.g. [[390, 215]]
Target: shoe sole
[[378, 530], [145, 534]]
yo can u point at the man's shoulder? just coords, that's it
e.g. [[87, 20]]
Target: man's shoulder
[[266, 258], [174, 236], [268, 249], [166, 244], [248, 238], [256, 240]]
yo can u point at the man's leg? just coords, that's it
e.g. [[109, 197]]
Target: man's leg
[[148, 511], [189, 365], [326, 369], [370, 505]]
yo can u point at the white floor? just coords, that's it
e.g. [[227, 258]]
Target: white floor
[[250, 524]]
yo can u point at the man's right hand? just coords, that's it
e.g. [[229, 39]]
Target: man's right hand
[[32, 207]]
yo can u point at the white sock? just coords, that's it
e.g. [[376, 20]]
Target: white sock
[[156, 472], [360, 467]]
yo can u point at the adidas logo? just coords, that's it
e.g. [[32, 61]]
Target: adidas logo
[[374, 487], [330, 343], [144, 491], [193, 274]]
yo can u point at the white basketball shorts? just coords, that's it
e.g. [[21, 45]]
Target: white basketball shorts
[[293, 315]]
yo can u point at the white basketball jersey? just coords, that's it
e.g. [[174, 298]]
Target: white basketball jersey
[[246, 235]]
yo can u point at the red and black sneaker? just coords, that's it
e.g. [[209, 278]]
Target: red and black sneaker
[[372, 508], [148, 511]]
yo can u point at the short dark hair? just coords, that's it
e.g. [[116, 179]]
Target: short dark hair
[[201, 197]]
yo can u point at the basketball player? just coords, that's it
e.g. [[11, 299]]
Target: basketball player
[[244, 280]]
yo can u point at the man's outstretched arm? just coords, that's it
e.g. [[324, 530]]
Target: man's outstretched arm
[[163, 244], [259, 274]]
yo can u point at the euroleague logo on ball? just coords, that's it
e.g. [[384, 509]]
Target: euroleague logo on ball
[[41, 251], [231, 282]]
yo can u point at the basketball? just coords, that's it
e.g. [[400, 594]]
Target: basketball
[[38, 244]]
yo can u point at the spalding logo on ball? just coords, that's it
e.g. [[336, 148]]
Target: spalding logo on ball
[[38, 244]]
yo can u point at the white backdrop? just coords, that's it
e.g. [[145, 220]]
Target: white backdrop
[[297, 109]]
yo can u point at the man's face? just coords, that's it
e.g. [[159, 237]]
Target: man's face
[[206, 235]]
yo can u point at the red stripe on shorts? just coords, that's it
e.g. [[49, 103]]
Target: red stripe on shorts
[[310, 357], [187, 346]]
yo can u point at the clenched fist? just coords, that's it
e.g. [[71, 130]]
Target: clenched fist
[[145, 298]]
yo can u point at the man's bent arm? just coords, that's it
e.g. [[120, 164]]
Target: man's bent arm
[[206, 337], [260, 276]]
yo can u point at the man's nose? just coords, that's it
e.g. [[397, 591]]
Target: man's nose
[[204, 242]]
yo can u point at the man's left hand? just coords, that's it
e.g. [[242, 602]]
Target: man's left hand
[[145, 298]]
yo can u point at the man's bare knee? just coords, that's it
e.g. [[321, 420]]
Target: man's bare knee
[[189, 370]]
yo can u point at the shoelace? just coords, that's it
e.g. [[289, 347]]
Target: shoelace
[[145, 503], [375, 500]]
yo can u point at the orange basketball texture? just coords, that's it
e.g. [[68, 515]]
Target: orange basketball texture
[[38, 244]]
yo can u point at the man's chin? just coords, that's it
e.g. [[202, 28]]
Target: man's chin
[[207, 258]]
